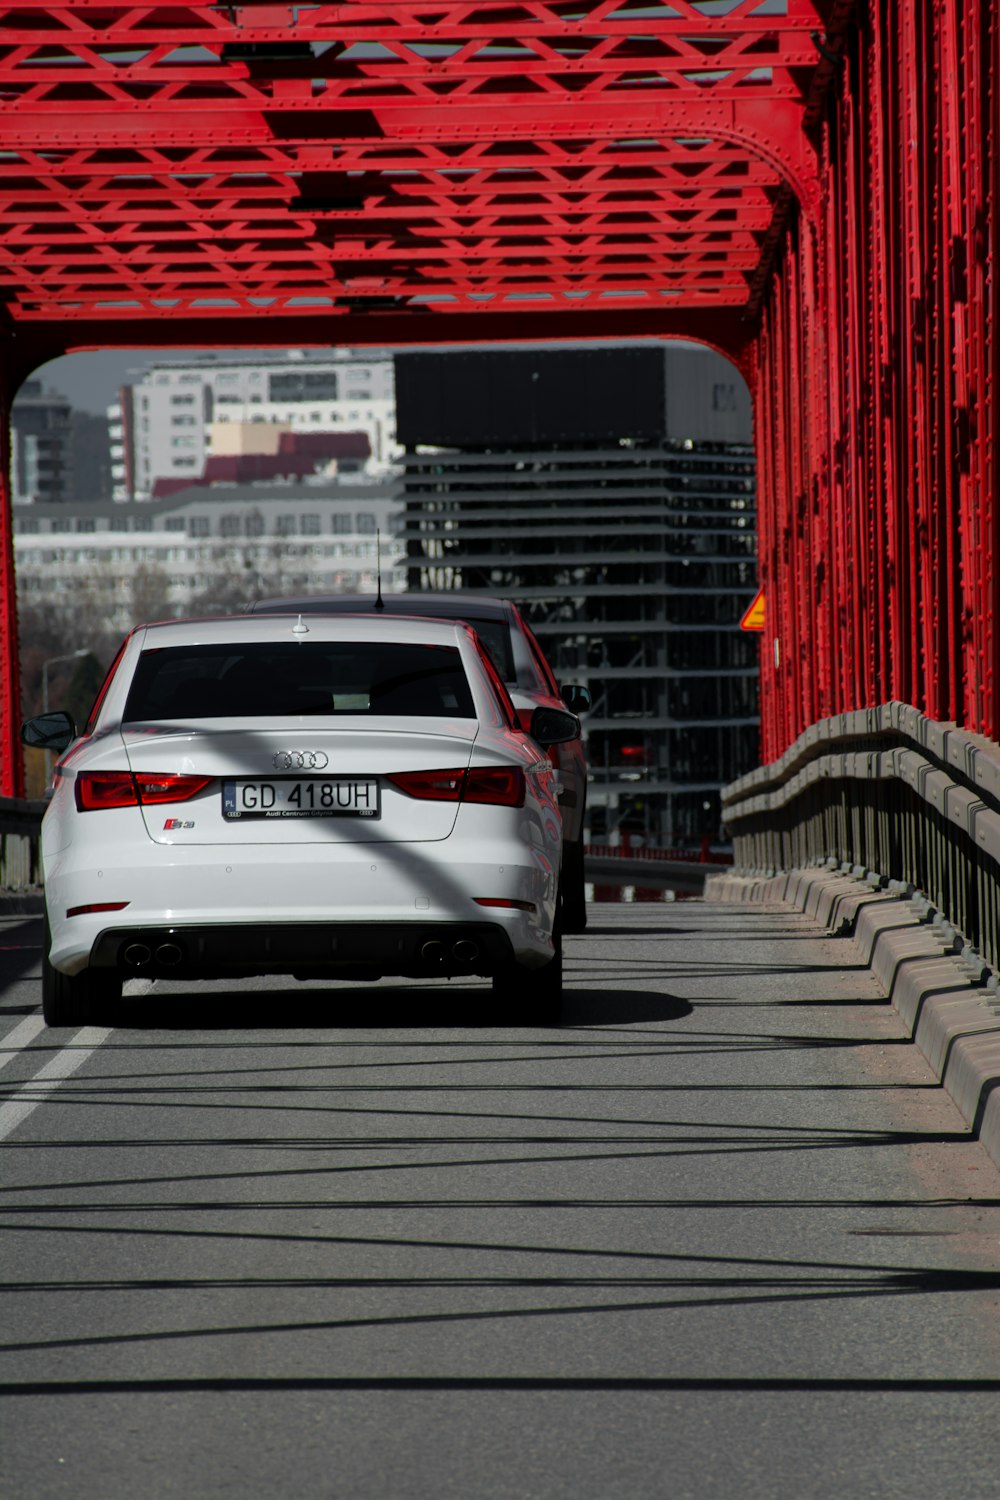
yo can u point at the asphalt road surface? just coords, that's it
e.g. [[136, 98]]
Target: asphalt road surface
[[717, 1235]]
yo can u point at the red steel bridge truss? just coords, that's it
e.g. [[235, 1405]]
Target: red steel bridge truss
[[809, 186]]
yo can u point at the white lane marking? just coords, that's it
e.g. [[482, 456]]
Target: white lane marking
[[22, 1036], [48, 1078]]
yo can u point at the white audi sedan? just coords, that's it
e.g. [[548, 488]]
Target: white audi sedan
[[331, 797]]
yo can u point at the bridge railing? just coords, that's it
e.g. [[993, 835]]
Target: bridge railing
[[20, 834], [617, 865], [886, 792]]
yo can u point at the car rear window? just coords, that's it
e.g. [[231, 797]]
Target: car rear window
[[495, 636], [318, 678]]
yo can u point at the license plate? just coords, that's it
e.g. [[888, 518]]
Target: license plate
[[302, 797]]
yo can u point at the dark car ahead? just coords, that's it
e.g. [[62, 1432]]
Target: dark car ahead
[[529, 680]]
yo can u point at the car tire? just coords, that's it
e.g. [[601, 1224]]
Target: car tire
[[573, 912], [77, 999], [537, 993]]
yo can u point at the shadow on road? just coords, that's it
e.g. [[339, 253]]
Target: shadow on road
[[362, 1007]]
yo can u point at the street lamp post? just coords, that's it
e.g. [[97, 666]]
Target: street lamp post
[[52, 662]]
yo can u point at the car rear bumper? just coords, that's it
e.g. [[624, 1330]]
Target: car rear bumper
[[308, 950], [281, 909]]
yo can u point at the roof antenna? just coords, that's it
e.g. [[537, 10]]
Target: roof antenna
[[379, 601]]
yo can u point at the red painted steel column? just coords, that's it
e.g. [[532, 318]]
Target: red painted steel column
[[986, 299], [840, 560], [770, 385], [878, 380], [11, 761], [793, 507], [969, 53]]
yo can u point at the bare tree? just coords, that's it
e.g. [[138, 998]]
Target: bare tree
[[239, 578], [150, 594]]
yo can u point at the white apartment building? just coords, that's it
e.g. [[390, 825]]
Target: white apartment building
[[231, 542], [162, 428]]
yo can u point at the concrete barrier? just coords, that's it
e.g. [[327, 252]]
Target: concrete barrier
[[947, 997]]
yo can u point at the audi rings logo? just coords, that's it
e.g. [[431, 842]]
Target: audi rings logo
[[300, 760]]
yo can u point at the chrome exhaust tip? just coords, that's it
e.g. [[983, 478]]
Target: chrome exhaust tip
[[432, 952], [465, 951], [169, 955], [136, 955]]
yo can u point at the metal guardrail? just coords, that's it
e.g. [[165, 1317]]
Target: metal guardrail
[[650, 869], [886, 792], [20, 857]]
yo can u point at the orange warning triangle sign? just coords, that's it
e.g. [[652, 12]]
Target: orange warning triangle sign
[[754, 617]]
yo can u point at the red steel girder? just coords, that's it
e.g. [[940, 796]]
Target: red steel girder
[[138, 39], [681, 162], [766, 131], [123, 24], [58, 204]]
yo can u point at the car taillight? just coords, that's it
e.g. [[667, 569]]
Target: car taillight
[[502, 786], [505, 902], [97, 789], [102, 789], [95, 906], [154, 787], [430, 786]]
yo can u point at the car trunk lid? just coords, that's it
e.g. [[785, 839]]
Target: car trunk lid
[[289, 785]]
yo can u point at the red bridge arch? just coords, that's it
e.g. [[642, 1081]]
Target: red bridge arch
[[809, 186]]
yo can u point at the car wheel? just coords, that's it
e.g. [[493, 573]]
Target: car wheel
[[573, 913], [77, 999], [537, 993]]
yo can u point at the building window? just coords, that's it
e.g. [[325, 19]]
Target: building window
[[285, 526], [342, 525], [199, 526], [303, 385], [310, 525], [175, 523], [366, 523], [230, 525]]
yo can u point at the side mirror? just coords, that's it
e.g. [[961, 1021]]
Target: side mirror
[[54, 731], [553, 726], [576, 698]]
